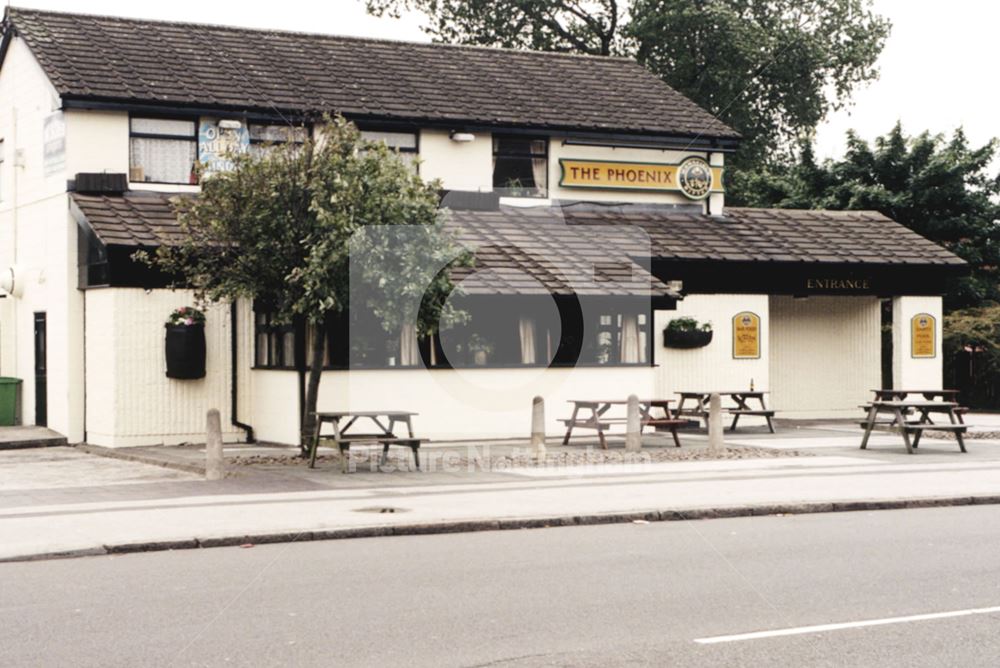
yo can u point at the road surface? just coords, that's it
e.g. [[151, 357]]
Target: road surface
[[906, 588]]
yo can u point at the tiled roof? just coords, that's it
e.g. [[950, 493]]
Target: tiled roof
[[534, 257], [511, 258], [776, 235], [134, 219], [532, 236], [182, 64]]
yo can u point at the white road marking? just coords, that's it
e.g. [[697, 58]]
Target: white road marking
[[822, 628]]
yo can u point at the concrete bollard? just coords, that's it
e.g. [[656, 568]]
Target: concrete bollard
[[214, 462], [633, 427], [538, 427], [715, 440]]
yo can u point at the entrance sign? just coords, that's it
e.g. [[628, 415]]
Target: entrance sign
[[693, 177], [746, 336], [923, 336]]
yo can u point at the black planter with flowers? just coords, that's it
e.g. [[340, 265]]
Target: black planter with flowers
[[687, 333], [185, 344]]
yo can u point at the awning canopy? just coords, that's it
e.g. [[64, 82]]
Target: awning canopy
[[631, 250]]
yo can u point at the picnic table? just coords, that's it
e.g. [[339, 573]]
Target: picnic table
[[899, 409], [597, 420], [741, 398], [929, 395], [384, 422]]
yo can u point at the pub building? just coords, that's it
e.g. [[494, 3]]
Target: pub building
[[591, 193]]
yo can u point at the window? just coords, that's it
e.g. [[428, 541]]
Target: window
[[404, 143], [262, 136], [617, 338], [274, 343], [520, 166], [163, 150]]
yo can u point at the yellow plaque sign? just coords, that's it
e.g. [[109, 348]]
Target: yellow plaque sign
[[693, 177], [923, 336], [746, 336]]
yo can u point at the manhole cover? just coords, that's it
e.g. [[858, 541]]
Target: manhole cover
[[381, 509]]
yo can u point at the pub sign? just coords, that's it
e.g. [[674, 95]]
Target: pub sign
[[923, 336], [693, 177], [746, 336]]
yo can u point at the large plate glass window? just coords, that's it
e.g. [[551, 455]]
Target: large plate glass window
[[163, 150], [404, 143], [520, 166]]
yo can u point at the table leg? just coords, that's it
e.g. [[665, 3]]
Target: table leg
[[677, 440], [597, 423], [956, 418], [572, 422], [869, 425], [901, 421], [315, 442]]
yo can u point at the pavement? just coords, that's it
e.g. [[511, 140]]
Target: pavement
[[12, 438], [67, 502], [908, 588]]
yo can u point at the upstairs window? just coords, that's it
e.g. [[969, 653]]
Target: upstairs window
[[163, 150], [404, 143], [263, 136], [520, 166]]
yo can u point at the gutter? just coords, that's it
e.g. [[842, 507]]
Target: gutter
[[234, 379]]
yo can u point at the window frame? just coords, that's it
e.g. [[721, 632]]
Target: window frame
[[258, 142], [194, 120], [274, 359], [543, 191], [365, 127]]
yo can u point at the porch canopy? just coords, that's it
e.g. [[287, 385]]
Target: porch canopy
[[594, 250]]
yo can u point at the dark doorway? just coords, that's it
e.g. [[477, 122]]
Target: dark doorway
[[41, 377]]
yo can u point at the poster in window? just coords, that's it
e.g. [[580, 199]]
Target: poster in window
[[53, 144], [923, 337], [218, 143], [746, 336]]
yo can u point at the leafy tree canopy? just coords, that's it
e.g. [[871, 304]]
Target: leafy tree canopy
[[941, 188], [771, 69], [303, 228]]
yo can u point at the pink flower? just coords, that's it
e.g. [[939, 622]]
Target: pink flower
[[189, 321]]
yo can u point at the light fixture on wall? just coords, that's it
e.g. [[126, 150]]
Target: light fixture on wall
[[462, 137], [230, 124]]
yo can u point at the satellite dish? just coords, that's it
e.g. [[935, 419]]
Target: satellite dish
[[12, 280]]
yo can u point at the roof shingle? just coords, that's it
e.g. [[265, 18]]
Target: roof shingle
[[170, 64]]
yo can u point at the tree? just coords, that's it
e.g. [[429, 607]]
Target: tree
[[940, 188], [286, 229], [771, 69]]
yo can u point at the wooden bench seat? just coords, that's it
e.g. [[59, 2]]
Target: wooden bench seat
[[737, 413], [344, 444]]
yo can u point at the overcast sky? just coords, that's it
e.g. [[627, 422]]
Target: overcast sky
[[935, 71]]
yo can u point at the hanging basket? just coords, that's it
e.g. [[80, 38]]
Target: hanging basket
[[185, 346], [695, 338]]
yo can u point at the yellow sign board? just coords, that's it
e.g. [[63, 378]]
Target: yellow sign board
[[923, 336], [746, 336], [693, 177]]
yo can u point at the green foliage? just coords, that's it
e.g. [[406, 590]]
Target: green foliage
[[688, 325], [975, 333], [771, 69], [282, 228], [279, 228], [940, 188], [186, 316]]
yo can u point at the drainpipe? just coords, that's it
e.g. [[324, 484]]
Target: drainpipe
[[234, 380]]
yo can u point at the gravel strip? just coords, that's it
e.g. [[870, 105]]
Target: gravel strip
[[475, 459]]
